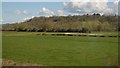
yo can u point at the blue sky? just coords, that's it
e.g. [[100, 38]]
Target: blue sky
[[9, 9], [13, 12], [46, 0]]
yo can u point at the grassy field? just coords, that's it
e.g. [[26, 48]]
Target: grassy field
[[27, 47]]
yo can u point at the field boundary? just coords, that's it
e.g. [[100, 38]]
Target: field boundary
[[77, 34]]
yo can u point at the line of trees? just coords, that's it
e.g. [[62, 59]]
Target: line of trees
[[84, 23]]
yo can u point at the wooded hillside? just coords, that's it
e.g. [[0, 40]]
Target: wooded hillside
[[84, 23]]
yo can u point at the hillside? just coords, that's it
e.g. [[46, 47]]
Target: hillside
[[84, 23]]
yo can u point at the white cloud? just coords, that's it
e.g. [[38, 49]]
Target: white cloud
[[27, 18], [25, 12], [95, 6], [1, 20], [21, 12], [45, 11], [108, 12], [116, 2], [89, 0], [60, 13]]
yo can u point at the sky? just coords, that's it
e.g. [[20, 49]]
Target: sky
[[54, 0], [15, 12], [19, 11]]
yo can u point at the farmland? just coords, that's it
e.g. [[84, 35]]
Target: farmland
[[29, 47]]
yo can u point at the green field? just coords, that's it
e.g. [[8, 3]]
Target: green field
[[27, 47]]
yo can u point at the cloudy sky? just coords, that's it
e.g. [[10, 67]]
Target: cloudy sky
[[19, 11]]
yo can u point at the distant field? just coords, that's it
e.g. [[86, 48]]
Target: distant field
[[28, 47]]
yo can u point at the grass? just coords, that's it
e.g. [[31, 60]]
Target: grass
[[108, 33], [27, 47]]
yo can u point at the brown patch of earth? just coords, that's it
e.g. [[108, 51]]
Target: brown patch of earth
[[6, 62], [0, 62]]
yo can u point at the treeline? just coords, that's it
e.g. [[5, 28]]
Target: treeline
[[84, 23]]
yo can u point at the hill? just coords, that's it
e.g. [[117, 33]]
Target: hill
[[84, 23]]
